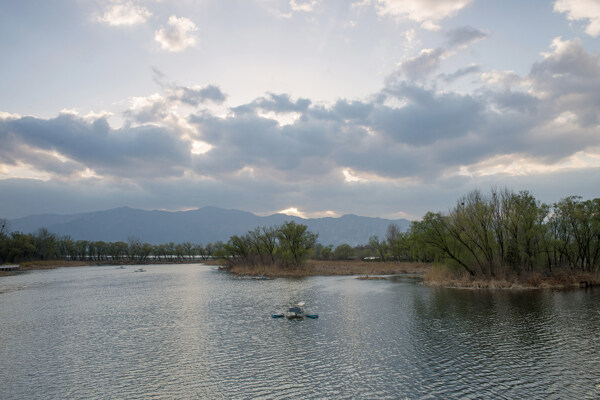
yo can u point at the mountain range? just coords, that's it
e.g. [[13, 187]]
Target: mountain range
[[203, 225]]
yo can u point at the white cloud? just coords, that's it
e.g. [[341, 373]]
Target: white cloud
[[296, 212], [200, 147], [125, 14], [502, 78], [7, 116], [411, 38], [148, 109], [426, 12], [303, 5], [523, 165], [178, 35], [581, 10]]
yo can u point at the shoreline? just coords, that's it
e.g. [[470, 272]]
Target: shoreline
[[332, 268], [432, 275], [440, 276]]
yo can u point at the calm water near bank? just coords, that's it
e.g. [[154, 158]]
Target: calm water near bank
[[192, 332]]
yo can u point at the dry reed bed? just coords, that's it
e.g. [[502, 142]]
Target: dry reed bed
[[368, 268], [328, 268], [560, 279]]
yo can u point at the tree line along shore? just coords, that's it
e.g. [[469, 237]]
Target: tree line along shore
[[503, 239]]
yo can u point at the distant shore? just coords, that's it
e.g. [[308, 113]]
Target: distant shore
[[53, 264]]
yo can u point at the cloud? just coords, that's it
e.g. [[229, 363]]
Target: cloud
[[177, 36], [429, 60], [124, 14], [153, 108], [68, 145], [406, 131], [277, 103], [303, 5], [191, 95], [422, 65], [568, 79], [428, 117], [464, 36], [577, 10], [410, 136], [516, 101], [425, 12], [158, 107], [502, 78], [197, 95], [459, 73]]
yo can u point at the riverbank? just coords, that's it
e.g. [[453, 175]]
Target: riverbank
[[433, 275], [332, 268], [367, 270], [442, 276]]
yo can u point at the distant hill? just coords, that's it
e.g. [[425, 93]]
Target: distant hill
[[204, 225]]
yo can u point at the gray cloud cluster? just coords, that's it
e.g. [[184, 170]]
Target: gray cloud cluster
[[145, 151], [459, 73], [570, 76], [422, 65], [197, 96], [279, 103], [464, 35], [408, 135]]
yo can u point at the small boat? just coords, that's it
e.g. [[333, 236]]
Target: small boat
[[260, 278], [140, 270], [121, 267], [295, 312]]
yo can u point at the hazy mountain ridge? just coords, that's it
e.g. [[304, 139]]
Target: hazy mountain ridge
[[203, 225]]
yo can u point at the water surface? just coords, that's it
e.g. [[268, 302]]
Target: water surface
[[192, 332]]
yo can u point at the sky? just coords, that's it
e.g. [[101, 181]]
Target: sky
[[315, 108]]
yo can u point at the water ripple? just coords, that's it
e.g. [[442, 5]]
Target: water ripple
[[189, 332]]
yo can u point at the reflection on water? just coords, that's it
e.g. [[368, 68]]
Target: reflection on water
[[189, 331]]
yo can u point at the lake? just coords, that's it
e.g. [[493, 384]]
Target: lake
[[193, 332]]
